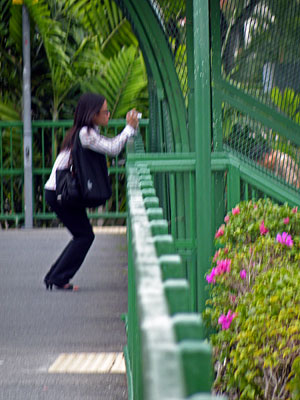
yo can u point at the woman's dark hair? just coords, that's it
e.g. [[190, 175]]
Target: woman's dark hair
[[88, 106]]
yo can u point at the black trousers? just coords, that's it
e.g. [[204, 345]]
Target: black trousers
[[70, 260]]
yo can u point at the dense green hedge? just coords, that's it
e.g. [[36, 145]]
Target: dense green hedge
[[254, 303]]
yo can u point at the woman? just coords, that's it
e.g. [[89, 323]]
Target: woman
[[91, 111]]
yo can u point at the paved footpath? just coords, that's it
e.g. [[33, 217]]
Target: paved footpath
[[61, 346]]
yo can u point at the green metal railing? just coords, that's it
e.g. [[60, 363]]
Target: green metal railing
[[163, 278], [241, 95], [169, 170], [47, 137], [255, 91], [166, 354], [223, 127]]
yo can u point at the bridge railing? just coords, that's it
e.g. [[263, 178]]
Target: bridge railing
[[47, 137], [167, 354], [165, 282]]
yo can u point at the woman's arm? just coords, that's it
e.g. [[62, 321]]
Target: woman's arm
[[102, 144]]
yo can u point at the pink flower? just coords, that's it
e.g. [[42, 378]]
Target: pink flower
[[235, 210], [211, 277], [225, 250], [223, 266], [286, 220], [263, 229], [226, 219], [284, 239], [255, 206], [225, 320], [243, 274], [220, 232], [295, 210]]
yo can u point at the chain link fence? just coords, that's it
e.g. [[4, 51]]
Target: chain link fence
[[260, 56], [172, 18]]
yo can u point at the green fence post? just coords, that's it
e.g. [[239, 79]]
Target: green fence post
[[171, 267], [233, 187], [151, 202], [164, 244], [218, 181], [196, 357], [188, 326], [177, 294], [158, 226], [203, 144], [154, 213]]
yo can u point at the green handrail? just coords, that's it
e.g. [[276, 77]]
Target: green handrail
[[166, 356], [157, 258], [47, 137]]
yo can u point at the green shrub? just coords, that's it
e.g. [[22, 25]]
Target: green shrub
[[254, 303], [294, 384]]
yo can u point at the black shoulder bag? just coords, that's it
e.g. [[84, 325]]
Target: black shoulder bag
[[90, 176], [67, 187]]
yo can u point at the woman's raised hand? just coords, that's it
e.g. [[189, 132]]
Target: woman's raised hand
[[132, 118]]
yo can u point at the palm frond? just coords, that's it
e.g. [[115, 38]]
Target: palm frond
[[105, 21], [123, 82], [15, 27], [8, 112]]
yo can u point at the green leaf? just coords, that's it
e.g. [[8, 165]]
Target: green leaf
[[8, 112]]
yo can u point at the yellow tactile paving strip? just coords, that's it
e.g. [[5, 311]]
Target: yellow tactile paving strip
[[110, 230], [89, 363]]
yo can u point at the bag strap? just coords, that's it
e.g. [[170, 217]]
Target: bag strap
[[71, 163]]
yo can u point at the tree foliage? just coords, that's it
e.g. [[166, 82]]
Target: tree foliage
[[75, 46]]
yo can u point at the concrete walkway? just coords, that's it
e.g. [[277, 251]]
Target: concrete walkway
[[61, 346]]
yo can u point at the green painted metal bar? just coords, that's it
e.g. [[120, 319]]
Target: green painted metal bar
[[192, 207], [11, 167], [166, 162], [11, 172], [216, 73], [173, 206], [259, 111], [203, 144], [251, 175], [133, 325], [233, 184], [43, 167], [218, 181], [191, 243], [160, 97], [185, 244], [190, 72], [148, 157], [246, 195]]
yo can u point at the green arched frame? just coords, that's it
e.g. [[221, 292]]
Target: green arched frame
[[163, 79], [176, 127]]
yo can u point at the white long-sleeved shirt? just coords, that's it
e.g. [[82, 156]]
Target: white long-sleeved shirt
[[93, 140]]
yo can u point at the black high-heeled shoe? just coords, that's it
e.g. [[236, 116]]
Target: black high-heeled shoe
[[67, 286], [48, 284]]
